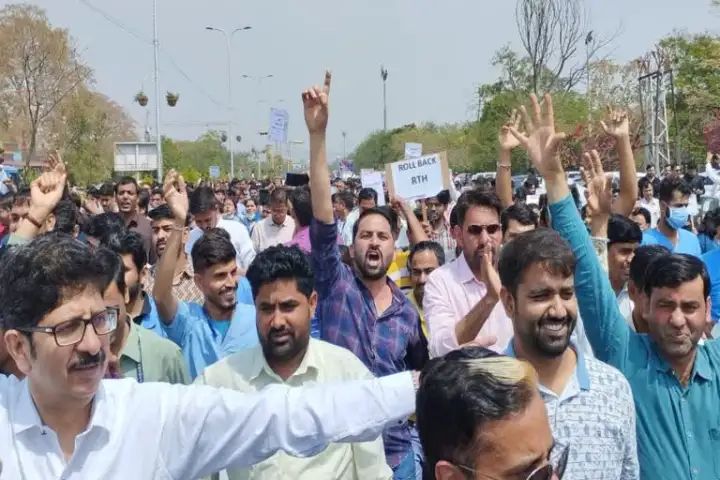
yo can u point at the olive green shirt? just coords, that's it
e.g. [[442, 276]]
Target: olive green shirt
[[147, 357]]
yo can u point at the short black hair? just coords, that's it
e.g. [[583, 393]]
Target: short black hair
[[66, 216], [642, 211], [671, 271], [202, 200], [131, 243], [542, 246], [477, 198], [281, 262], [143, 199], [368, 194], [107, 189], [623, 230], [44, 273], [279, 195], [157, 191], [454, 217], [649, 166], [444, 197], [213, 248], [671, 184], [302, 205], [430, 246], [460, 393], [374, 211], [519, 212], [107, 228], [127, 181], [111, 269], [163, 212], [644, 256], [346, 197]]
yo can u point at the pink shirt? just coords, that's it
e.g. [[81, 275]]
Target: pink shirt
[[450, 293], [301, 239]]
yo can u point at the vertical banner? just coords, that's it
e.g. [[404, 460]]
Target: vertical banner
[[278, 131]]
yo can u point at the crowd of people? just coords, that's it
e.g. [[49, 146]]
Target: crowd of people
[[296, 329]]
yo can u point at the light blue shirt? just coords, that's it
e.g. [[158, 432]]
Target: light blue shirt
[[3, 176], [687, 241], [712, 263], [595, 416], [150, 318], [201, 338], [678, 428]]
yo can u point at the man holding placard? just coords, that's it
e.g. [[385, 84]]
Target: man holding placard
[[359, 307]]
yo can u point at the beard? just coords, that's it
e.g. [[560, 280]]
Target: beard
[[134, 292], [282, 344], [549, 336], [419, 292], [225, 299], [373, 265]]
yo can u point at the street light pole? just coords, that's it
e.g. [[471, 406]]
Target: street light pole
[[384, 75], [158, 138], [228, 46], [588, 42], [344, 134]]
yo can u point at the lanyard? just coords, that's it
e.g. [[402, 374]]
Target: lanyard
[[139, 371]]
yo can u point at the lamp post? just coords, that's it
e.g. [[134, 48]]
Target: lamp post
[[156, 76], [588, 42], [384, 75], [259, 79], [228, 46], [344, 135]]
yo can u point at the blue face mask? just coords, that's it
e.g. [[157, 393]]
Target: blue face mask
[[677, 217]]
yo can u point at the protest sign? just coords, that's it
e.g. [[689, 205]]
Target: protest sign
[[214, 171], [374, 180], [418, 178], [278, 125], [413, 150]]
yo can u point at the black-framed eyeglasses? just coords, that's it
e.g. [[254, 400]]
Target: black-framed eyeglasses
[[491, 229], [73, 331], [555, 468]]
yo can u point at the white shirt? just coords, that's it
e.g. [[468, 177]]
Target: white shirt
[[248, 371], [626, 306], [653, 206], [266, 233], [346, 228], [239, 236], [162, 432]]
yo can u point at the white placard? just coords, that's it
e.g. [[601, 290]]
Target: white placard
[[135, 157], [413, 150], [418, 178], [374, 180], [214, 171]]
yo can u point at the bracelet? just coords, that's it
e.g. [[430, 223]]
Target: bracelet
[[30, 219], [502, 165]]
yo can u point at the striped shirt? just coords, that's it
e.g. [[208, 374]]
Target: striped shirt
[[595, 417]]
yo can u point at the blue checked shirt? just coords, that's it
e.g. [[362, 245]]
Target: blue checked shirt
[[595, 417], [386, 344]]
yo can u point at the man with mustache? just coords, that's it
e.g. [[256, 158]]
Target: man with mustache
[[439, 230], [285, 300], [65, 421], [220, 325], [359, 307], [673, 379], [583, 395], [126, 196]]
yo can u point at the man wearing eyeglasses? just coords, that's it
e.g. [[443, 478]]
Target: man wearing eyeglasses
[[64, 421], [462, 297], [494, 424]]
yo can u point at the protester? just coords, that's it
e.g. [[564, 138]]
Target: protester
[[278, 228], [624, 237], [439, 230], [642, 259], [122, 429], [582, 394], [493, 420], [642, 218], [345, 214], [204, 209], [126, 196], [282, 285], [360, 309], [516, 219], [669, 375], [301, 213], [221, 325]]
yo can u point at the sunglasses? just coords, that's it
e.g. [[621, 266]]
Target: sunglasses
[[491, 229], [555, 469]]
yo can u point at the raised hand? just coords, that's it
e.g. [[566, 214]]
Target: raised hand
[[176, 196], [489, 275], [46, 191], [618, 125], [599, 186], [315, 105], [506, 139], [541, 140]]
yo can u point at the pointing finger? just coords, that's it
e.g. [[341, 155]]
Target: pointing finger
[[328, 80]]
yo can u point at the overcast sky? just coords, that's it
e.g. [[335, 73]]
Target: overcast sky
[[436, 53]]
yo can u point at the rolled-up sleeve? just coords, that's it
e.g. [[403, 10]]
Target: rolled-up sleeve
[[440, 316]]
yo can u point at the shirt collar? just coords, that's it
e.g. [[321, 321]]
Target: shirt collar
[[309, 362], [463, 269], [28, 418], [146, 309], [581, 371], [131, 349], [701, 368]]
